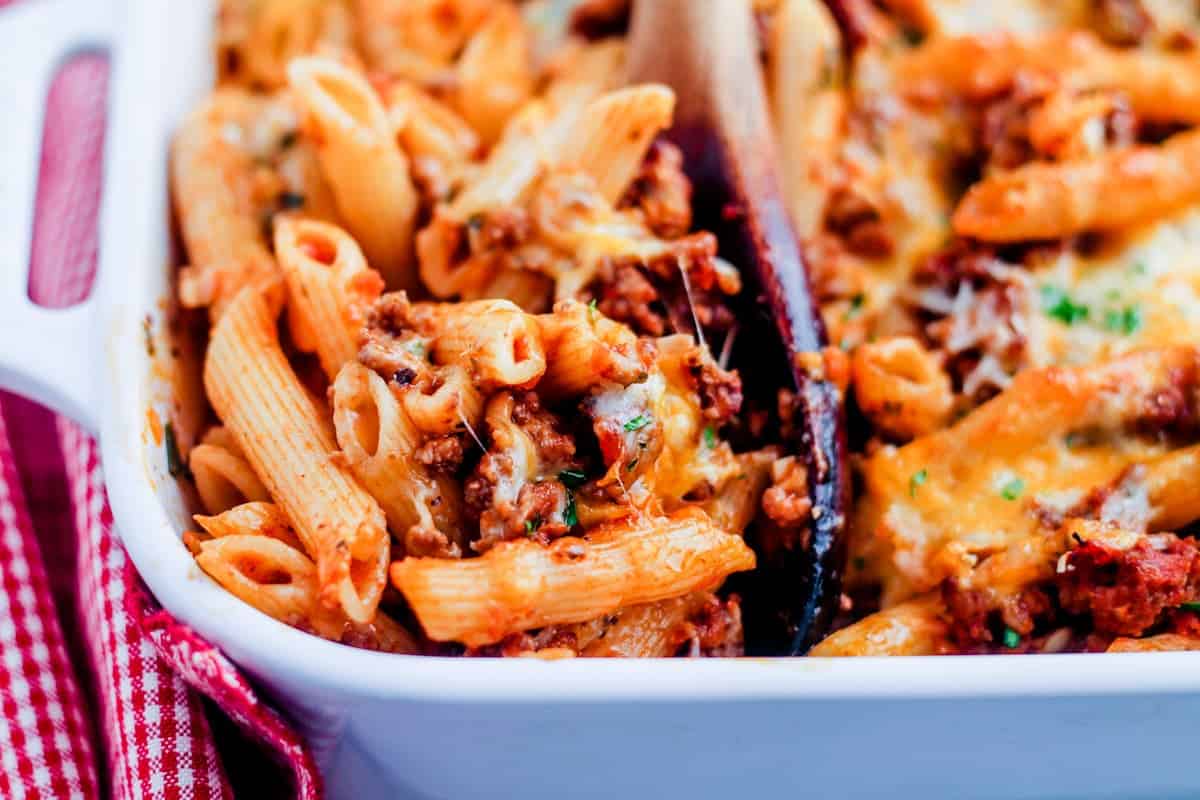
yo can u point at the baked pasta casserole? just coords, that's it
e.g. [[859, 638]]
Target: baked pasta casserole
[[467, 381]]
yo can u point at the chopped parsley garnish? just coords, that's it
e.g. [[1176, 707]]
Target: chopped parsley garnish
[[917, 481], [710, 438], [1011, 638], [1013, 489], [856, 306], [176, 466], [291, 200], [570, 514], [1191, 605], [1059, 305], [572, 478], [531, 526], [592, 310], [416, 347], [632, 464], [1127, 320], [637, 423], [1138, 268]]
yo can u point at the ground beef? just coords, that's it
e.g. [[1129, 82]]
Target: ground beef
[[626, 295], [537, 510], [425, 542], [384, 343], [976, 620], [650, 296], [1127, 591], [442, 454], [527, 643], [662, 191], [858, 223], [544, 428], [786, 501], [714, 629], [1122, 22], [720, 390], [1173, 409], [974, 309], [499, 229]]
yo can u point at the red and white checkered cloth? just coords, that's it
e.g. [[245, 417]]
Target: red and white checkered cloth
[[102, 694]]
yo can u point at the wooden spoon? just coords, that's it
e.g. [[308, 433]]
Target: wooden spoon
[[706, 50]]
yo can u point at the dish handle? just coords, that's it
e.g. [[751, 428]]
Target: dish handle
[[45, 354]]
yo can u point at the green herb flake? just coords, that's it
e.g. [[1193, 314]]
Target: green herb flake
[[1011, 638], [475, 221], [1126, 321], [290, 200], [570, 513], [592, 310], [176, 466], [1013, 489], [1190, 605], [531, 526], [637, 423], [632, 464], [710, 438], [1057, 304], [917, 481], [416, 347], [1138, 268], [856, 306], [572, 478]]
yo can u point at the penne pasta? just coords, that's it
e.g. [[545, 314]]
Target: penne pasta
[[1050, 201], [330, 287], [378, 441], [613, 134], [223, 478], [584, 348], [213, 176], [501, 343], [521, 585], [494, 75], [368, 173], [258, 397]]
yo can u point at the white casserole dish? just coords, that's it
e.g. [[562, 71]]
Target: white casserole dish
[[386, 726]]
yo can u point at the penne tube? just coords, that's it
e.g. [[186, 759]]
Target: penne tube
[[611, 139], [287, 29], [281, 582], [494, 76], [1164, 87], [518, 585], [736, 502], [378, 441], [650, 630], [584, 348], [330, 287], [529, 290], [499, 343], [256, 518], [290, 446], [1113, 190], [224, 479], [450, 402], [367, 172], [807, 103], [212, 173], [1173, 486], [428, 128], [915, 628]]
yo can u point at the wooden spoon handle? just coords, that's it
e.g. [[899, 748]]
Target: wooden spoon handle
[[706, 51]]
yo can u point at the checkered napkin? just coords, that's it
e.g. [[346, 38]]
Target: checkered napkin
[[102, 693]]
